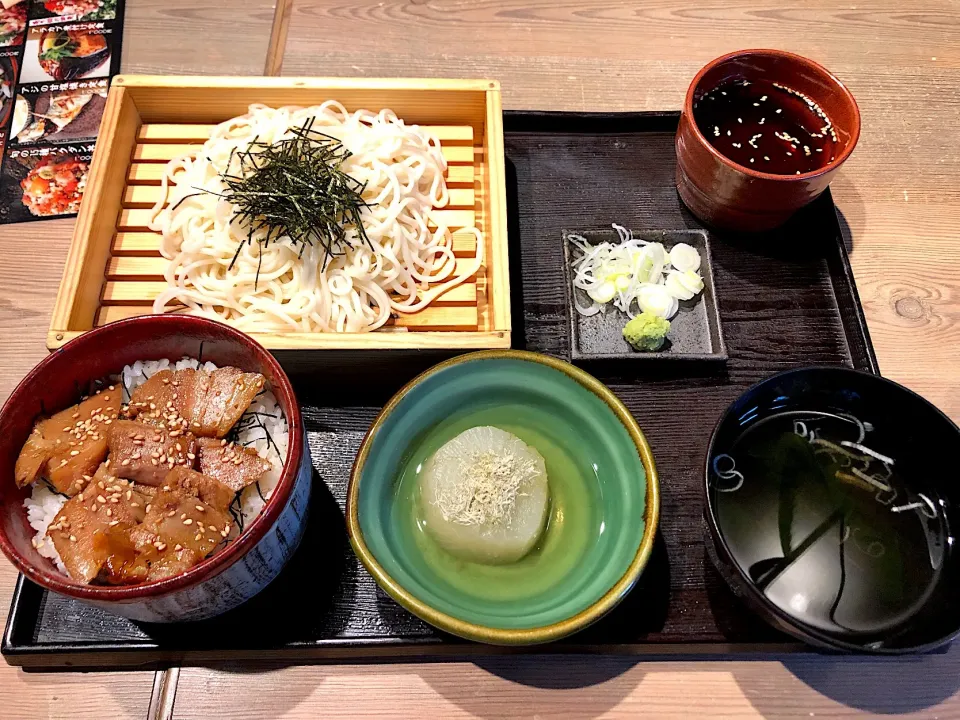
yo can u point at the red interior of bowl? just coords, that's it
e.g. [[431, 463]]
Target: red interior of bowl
[[797, 73], [63, 376]]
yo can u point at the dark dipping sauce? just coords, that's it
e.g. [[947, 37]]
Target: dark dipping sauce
[[821, 520], [766, 127]]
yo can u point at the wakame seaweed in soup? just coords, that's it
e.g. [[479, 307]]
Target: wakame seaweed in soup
[[814, 509]]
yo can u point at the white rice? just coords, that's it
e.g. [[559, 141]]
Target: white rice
[[43, 504]]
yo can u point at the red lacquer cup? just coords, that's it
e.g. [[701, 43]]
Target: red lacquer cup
[[728, 195]]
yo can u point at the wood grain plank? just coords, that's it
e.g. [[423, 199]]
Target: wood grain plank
[[136, 268], [143, 292], [282, 13], [111, 313], [153, 152], [76, 304], [199, 133], [613, 688], [435, 318], [219, 37]]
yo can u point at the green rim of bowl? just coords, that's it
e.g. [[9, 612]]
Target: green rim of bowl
[[504, 636]]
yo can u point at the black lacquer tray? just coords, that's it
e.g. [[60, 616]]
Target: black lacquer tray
[[786, 299]]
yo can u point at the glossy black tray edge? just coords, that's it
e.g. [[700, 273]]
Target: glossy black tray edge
[[20, 649]]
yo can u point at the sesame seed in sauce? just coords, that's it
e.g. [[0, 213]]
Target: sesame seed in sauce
[[188, 521]]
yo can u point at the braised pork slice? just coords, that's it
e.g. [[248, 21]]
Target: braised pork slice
[[68, 447], [146, 453], [90, 530], [178, 531], [233, 465], [206, 404], [204, 487], [231, 392]]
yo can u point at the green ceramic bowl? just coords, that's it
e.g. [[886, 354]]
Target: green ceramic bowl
[[605, 498]]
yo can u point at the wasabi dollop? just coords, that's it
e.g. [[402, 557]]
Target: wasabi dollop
[[646, 332]]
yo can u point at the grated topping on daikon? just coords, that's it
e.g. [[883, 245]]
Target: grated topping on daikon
[[488, 490]]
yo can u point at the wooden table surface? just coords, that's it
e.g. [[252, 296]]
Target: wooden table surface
[[898, 195]]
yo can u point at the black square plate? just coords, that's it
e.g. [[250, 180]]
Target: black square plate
[[694, 331]]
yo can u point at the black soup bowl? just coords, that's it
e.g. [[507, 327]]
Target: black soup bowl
[[832, 501]]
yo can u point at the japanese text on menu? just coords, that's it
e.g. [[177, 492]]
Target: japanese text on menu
[[56, 61]]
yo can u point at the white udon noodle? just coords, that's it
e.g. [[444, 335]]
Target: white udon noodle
[[284, 291]]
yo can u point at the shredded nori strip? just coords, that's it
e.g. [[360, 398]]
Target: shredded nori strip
[[236, 511], [53, 489], [185, 197], [295, 188]]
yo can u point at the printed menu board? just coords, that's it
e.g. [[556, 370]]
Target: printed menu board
[[56, 61]]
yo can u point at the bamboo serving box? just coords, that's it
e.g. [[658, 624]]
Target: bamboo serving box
[[114, 269]]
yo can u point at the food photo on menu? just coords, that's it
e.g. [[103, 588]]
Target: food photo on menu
[[13, 21], [43, 181], [67, 52], [8, 80], [44, 11], [64, 111], [57, 58]]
